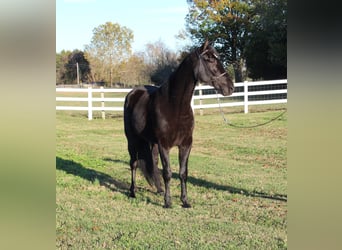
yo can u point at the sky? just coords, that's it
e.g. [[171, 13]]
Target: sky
[[150, 21]]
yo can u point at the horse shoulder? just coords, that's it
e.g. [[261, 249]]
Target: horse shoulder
[[173, 129]]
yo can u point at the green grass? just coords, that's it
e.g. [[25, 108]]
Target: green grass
[[237, 187]]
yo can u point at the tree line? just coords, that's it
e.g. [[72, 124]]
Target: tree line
[[250, 35], [150, 66]]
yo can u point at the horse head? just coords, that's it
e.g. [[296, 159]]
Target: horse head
[[209, 70]]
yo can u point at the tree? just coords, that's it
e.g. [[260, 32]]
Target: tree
[[266, 48], [77, 61], [66, 67], [134, 71], [110, 45], [226, 22], [161, 62], [61, 61], [244, 31]]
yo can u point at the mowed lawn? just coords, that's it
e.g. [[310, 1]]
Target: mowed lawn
[[237, 186]]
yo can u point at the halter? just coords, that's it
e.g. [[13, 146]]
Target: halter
[[201, 59], [220, 75]]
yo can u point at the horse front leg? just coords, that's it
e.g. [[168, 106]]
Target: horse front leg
[[183, 156], [167, 174]]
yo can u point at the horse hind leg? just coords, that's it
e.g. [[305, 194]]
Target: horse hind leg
[[145, 158], [133, 165]]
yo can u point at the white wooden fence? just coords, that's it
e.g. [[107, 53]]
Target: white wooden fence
[[238, 98]]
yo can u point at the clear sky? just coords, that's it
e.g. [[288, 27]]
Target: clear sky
[[150, 20]]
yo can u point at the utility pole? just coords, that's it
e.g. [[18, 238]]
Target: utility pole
[[111, 63], [110, 76], [78, 74]]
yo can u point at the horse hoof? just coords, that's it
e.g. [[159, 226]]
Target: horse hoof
[[186, 205], [160, 192], [167, 206]]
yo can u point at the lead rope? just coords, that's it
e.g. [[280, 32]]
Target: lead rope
[[237, 126]]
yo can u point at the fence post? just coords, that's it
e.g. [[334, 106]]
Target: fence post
[[102, 104], [245, 88], [200, 100], [192, 104], [90, 104]]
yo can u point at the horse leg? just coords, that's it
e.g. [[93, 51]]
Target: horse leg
[[133, 173], [167, 174], [183, 155], [133, 165], [155, 156]]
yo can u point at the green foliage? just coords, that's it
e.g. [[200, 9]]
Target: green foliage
[[61, 61], [77, 57], [251, 31], [224, 22], [110, 45], [237, 185], [111, 42], [66, 69], [153, 65], [266, 48]]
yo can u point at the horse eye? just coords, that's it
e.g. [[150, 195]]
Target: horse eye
[[212, 58], [206, 57]]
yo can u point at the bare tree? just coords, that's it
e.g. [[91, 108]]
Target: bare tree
[[160, 61]]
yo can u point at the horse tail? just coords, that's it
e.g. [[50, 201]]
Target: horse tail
[[146, 165]]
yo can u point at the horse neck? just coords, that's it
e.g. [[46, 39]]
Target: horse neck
[[180, 87]]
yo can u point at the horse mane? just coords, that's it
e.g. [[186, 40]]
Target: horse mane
[[172, 78]]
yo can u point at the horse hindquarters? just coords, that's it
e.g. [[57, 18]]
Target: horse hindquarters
[[130, 140], [139, 149]]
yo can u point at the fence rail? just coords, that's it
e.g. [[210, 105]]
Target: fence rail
[[243, 96]]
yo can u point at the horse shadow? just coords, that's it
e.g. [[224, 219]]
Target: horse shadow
[[74, 168], [115, 160], [116, 185], [233, 190]]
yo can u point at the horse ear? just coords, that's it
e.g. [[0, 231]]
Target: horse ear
[[205, 45]]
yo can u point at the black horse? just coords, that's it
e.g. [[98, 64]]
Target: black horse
[[159, 118]]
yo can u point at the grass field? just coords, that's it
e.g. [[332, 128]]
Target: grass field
[[237, 187]]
